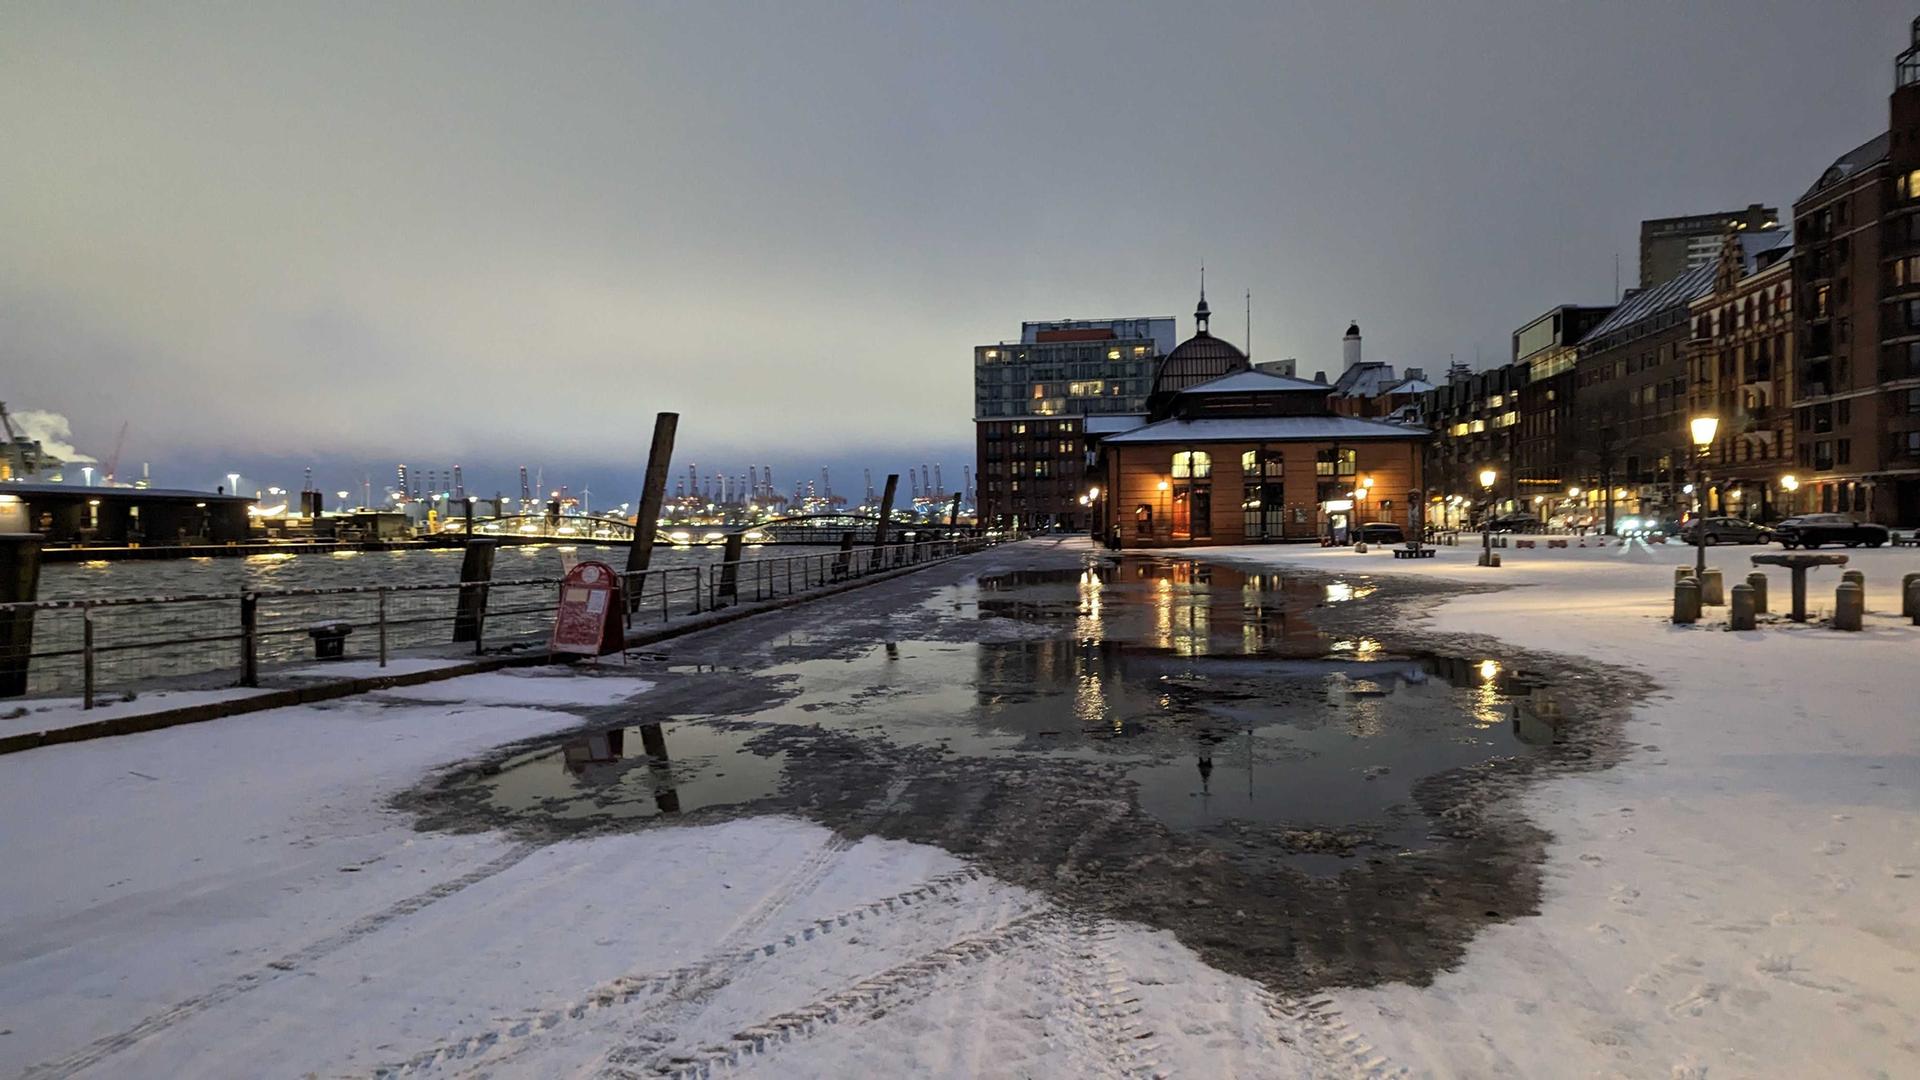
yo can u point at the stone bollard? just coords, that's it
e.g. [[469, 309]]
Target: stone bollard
[[1360, 548], [1686, 601], [1681, 573], [1858, 577], [1740, 612], [1713, 591], [1757, 581], [1909, 600], [1849, 605]]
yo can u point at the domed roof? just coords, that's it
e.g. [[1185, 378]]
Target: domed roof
[[1353, 329], [1196, 360]]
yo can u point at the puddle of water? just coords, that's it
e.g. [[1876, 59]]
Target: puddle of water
[[1211, 684], [644, 771]]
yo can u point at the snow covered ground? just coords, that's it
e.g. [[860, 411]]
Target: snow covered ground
[[1741, 897], [237, 898]]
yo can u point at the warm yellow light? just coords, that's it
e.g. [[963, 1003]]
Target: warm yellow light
[[1093, 493], [1573, 492], [1487, 477], [1619, 493], [1703, 428], [1790, 482], [1368, 482], [1489, 669], [1163, 485]]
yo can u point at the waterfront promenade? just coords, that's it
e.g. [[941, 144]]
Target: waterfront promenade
[[1036, 810]]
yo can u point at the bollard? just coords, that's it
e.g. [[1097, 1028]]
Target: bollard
[[1757, 581], [1686, 601], [1858, 577], [1909, 600], [1849, 605], [1682, 573], [1740, 612], [730, 568], [1713, 591], [653, 492], [1360, 548]]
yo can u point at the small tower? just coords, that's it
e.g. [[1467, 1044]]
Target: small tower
[[1350, 346], [1201, 315]]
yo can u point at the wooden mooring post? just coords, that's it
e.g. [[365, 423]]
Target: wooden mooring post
[[886, 518], [19, 584], [476, 565], [647, 521]]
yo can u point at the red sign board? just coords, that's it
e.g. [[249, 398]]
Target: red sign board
[[589, 619]]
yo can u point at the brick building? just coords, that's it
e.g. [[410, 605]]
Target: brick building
[[1856, 320], [1740, 356]]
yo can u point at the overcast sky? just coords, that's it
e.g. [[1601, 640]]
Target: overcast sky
[[351, 234]]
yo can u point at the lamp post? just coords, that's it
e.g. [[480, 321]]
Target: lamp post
[[1487, 477], [1791, 484], [1703, 429], [233, 483]]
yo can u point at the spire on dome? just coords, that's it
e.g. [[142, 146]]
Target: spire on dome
[[1200, 314]]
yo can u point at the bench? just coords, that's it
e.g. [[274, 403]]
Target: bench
[[1413, 553], [1559, 543], [1523, 543]]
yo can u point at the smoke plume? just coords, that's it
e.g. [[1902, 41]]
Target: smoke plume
[[51, 431]]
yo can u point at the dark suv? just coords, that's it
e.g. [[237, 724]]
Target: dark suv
[[1812, 530]]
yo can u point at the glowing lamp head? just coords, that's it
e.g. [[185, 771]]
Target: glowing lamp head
[[1573, 492], [1790, 482], [1163, 485], [1487, 477], [1704, 428]]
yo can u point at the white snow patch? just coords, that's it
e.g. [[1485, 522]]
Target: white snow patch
[[371, 669], [533, 686], [46, 714]]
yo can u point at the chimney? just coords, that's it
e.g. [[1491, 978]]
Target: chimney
[[1350, 346]]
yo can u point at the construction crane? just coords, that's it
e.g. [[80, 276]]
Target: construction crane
[[526, 493]]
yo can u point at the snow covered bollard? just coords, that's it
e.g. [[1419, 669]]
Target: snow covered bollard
[[1712, 589], [1757, 581], [1910, 597], [1740, 612], [329, 639], [1849, 605], [1686, 601]]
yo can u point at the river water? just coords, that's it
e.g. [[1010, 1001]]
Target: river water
[[341, 569]]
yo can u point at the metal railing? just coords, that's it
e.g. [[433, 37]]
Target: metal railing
[[95, 646]]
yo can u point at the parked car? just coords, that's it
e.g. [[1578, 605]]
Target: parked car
[[1381, 532], [1812, 530], [1727, 530], [1515, 523]]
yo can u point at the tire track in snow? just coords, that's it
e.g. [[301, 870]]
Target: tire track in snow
[[627, 989], [890, 988], [101, 1049], [1317, 1027]]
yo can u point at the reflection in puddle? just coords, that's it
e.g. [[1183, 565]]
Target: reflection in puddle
[[634, 772], [1211, 686]]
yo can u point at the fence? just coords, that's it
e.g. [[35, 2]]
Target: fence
[[93, 646]]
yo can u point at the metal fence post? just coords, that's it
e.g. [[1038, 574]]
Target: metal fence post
[[382, 617], [249, 639], [86, 655]]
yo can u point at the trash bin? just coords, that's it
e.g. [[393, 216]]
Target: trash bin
[[329, 639]]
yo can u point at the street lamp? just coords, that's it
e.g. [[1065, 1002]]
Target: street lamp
[[233, 483], [1703, 429], [1487, 477], [88, 470]]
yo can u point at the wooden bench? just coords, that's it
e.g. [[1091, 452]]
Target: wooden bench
[[1559, 543], [1523, 543], [1413, 553]]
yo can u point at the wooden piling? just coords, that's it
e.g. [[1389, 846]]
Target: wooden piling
[[470, 616], [19, 584], [730, 567], [647, 522], [886, 518]]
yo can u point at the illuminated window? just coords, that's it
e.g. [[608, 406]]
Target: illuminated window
[[1139, 350], [993, 354], [1458, 429], [1090, 388], [1479, 426], [1019, 429], [1113, 354], [1192, 464]]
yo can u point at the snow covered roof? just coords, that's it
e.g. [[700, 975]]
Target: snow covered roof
[[1369, 378], [1254, 382], [1676, 292], [1864, 156], [1413, 386], [1267, 429], [1112, 424]]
